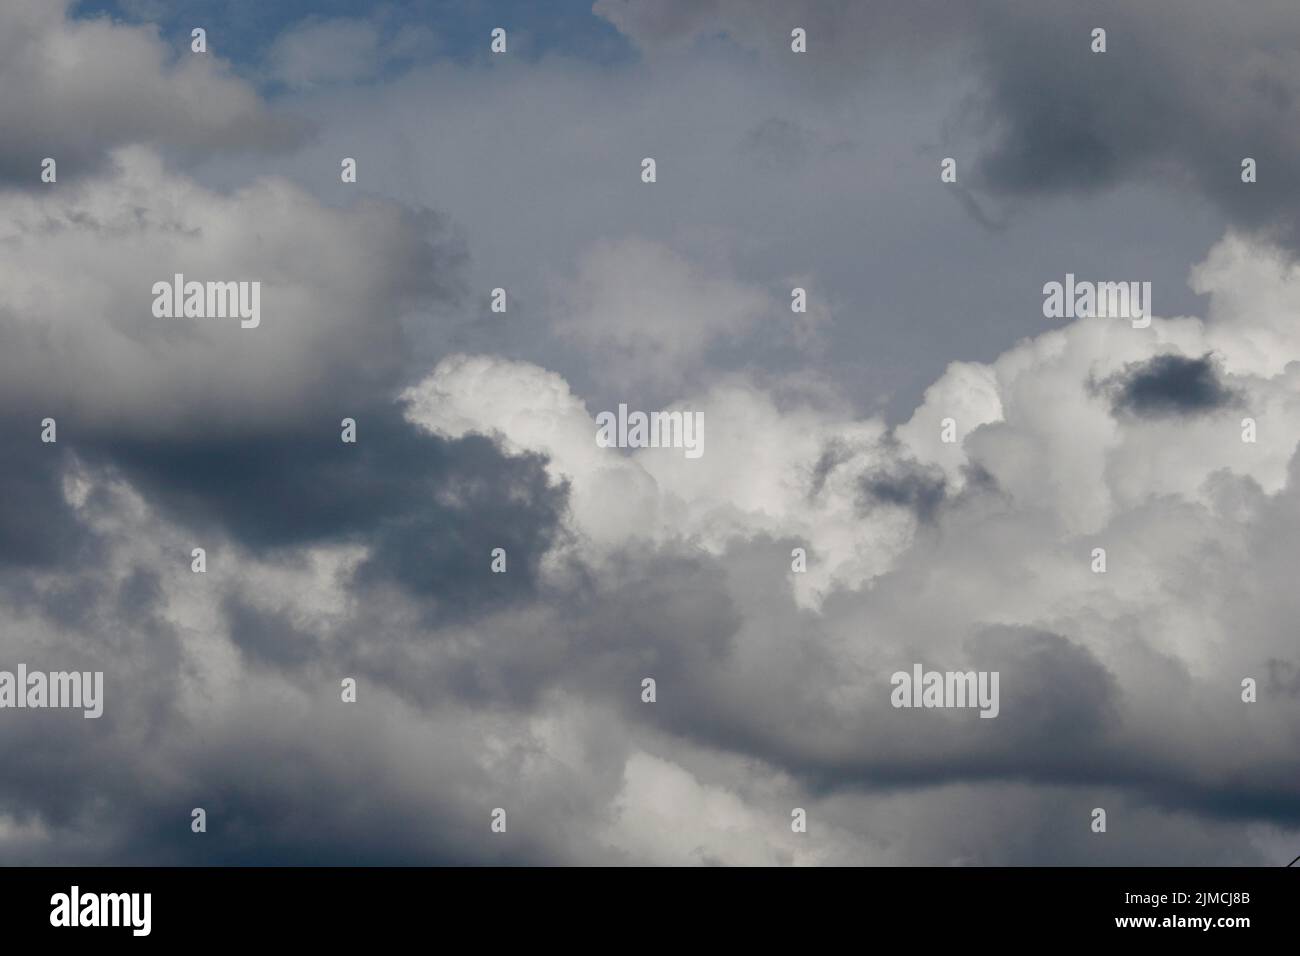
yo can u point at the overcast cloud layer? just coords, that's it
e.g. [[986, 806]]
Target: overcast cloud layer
[[475, 431]]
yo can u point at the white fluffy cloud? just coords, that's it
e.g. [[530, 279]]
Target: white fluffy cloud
[[658, 495], [1036, 421]]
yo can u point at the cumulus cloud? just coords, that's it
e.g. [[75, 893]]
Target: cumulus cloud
[[1111, 670], [522, 690], [658, 495], [1118, 690], [335, 285], [76, 89]]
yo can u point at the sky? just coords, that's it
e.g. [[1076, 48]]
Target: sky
[[921, 468]]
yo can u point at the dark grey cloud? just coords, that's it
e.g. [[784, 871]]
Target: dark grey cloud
[[64, 771], [431, 510], [269, 637], [1058, 698], [282, 793], [664, 615], [831, 458], [38, 527], [908, 485], [1185, 91], [1169, 385], [120, 788]]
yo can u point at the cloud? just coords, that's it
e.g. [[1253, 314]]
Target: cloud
[[1051, 129], [37, 525], [1170, 385], [836, 29], [1182, 94], [647, 314], [1118, 690], [75, 90], [657, 494], [665, 816], [77, 298], [326, 51], [522, 690], [906, 487], [321, 52], [1103, 675]]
